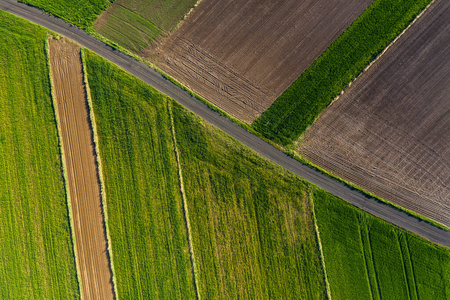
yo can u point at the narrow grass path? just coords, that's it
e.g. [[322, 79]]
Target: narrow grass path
[[185, 206]]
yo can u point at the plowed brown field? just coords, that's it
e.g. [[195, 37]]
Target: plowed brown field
[[242, 54], [82, 172], [390, 132]]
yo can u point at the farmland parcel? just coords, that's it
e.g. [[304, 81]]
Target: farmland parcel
[[81, 168], [367, 258], [138, 23], [241, 55], [390, 132], [251, 223], [36, 260]]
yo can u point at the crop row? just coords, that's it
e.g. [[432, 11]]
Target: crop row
[[367, 258]]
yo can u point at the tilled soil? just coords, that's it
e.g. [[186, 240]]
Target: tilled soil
[[242, 54], [81, 167], [390, 132]]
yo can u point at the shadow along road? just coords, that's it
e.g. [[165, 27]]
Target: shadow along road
[[156, 80]]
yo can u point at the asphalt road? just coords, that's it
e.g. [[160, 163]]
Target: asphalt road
[[155, 79]]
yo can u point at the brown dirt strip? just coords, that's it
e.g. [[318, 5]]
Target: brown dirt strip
[[82, 171], [390, 131], [242, 54]]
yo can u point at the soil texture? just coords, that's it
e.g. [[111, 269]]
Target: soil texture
[[242, 54], [390, 131], [82, 172]]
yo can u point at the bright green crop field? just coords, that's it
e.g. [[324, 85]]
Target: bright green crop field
[[134, 24], [367, 258], [299, 106], [147, 228], [36, 251], [81, 13], [251, 222]]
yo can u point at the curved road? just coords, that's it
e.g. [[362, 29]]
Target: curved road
[[155, 79]]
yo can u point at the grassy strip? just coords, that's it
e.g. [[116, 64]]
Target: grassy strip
[[252, 223], [409, 273], [297, 108], [185, 207], [319, 242], [145, 215], [63, 168], [37, 259], [99, 169], [368, 257], [342, 225], [80, 13]]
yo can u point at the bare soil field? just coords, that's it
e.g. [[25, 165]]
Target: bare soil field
[[390, 132], [241, 55], [81, 166]]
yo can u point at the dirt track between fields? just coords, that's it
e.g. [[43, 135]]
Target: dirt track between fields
[[153, 78], [82, 173], [242, 54], [390, 132]]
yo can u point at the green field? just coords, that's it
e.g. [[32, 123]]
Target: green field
[[37, 259], [147, 229], [367, 258], [298, 107], [81, 13], [251, 222], [135, 24]]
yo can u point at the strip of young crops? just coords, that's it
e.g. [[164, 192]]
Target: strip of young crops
[[298, 107], [251, 222], [367, 258], [80, 13], [145, 217], [36, 251]]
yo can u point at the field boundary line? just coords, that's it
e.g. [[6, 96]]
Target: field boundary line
[[402, 259], [374, 267], [407, 265], [368, 257], [319, 241], [185, 207], [93, 124], [382, 52], [183, 18], [63, 166], [412, 268]]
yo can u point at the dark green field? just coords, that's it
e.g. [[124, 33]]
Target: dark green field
[[36, 251], [135, 24], [367, 258], [252, 226], [298, 107], [80, 13]]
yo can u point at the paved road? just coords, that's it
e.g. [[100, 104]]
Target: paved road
[[155, 79]]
